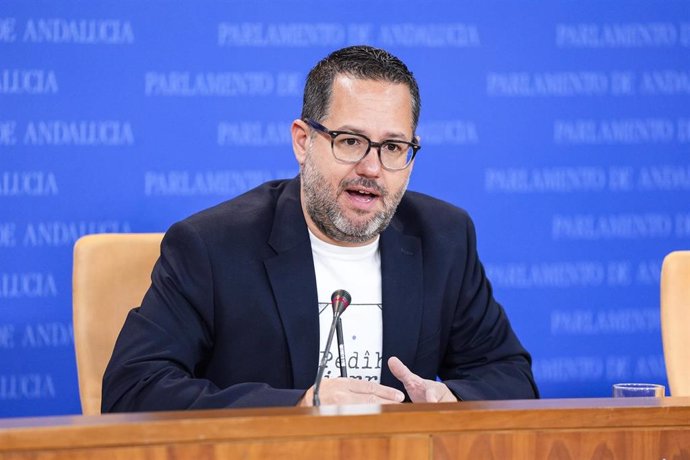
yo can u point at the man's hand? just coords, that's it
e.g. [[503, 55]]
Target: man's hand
[[351, 391], [419, 389]]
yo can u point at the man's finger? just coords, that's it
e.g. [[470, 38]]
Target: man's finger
[[381, 391], [414, 385], [350, 391], [419, 389], [402, 372]]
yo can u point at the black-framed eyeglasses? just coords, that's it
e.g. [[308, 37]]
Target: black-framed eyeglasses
[[351, 147]]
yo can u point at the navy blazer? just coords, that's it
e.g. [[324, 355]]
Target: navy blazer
[[231, 317]]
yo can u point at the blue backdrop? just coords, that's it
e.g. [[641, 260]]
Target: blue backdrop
[[562, 127]]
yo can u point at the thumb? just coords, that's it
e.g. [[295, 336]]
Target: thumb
[[414, 384], [399, 370]]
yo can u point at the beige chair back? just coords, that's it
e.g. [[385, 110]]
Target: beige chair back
[[675, 320], [111, 275]]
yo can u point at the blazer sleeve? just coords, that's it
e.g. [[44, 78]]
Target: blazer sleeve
[[484, 359], [160, 353]]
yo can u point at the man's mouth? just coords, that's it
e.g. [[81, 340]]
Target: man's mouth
[[362, 195]]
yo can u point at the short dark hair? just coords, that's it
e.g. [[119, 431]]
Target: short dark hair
[[364, 62]]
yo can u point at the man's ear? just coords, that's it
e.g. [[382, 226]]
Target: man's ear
[[300, 140]]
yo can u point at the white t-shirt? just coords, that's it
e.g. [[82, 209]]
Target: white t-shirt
[[358, 271]]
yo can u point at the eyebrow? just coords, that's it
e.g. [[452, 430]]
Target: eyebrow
[[387, 136]]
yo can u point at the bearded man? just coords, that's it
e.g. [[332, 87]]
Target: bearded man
[[240, 301]]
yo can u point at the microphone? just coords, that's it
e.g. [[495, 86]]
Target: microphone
[[340, 300]]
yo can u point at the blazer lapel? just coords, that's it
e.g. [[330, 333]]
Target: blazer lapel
[[292, 279], [401, 274]]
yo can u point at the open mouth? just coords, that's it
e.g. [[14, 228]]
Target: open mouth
[[362, 195]]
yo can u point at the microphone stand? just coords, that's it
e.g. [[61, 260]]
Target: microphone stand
[[340, 300], [322, 365]]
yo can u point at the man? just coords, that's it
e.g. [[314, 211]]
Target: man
[[239, 305]]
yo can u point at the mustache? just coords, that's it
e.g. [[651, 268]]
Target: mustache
[[364, 182]]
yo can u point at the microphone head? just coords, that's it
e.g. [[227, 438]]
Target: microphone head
[[340, 300]]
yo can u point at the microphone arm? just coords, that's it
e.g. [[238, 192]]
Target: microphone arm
[[340, 300], [322, 364]]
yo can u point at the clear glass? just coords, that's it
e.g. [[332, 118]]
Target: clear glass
[[352, 147], [638, 390]]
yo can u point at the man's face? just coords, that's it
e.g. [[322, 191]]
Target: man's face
[[350, 204]]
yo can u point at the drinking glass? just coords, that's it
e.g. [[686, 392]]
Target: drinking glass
[[638, 390]]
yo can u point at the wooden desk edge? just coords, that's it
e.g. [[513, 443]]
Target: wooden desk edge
[[276, 423]]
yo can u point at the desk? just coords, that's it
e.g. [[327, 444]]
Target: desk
[[544, 429]]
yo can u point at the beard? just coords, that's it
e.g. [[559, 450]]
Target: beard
[[325, 211]]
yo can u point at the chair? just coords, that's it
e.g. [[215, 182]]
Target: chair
[[675, 320], [111, 275]]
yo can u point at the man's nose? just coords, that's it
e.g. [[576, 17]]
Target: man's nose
[[370, 165]]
